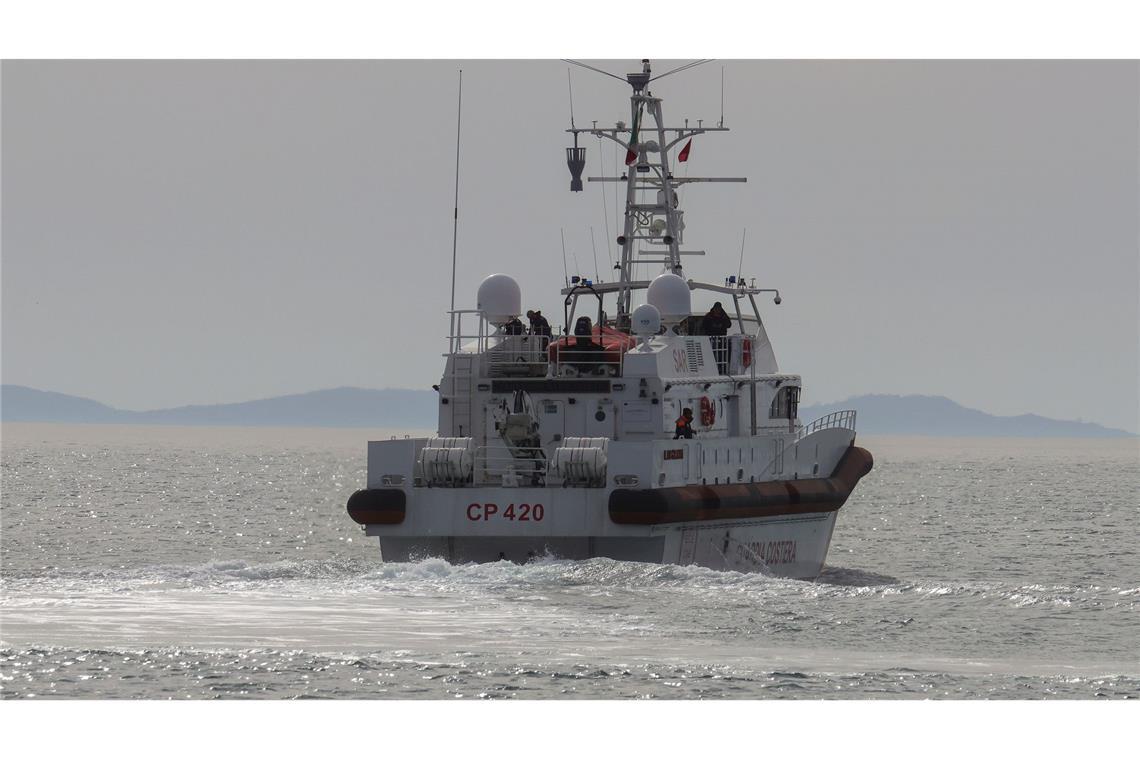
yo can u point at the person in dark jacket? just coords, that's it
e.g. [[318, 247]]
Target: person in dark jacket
[[684, 424], [716, 324], [539, 326], [587, 355], [514, 326], [717, 321]]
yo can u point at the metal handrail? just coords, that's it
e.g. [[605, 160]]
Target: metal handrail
[[517, 355], [526, 354], [568, 360], [493, 464], [840, 419]]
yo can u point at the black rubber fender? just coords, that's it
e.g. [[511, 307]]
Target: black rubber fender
[[378, 506], [699, 503]]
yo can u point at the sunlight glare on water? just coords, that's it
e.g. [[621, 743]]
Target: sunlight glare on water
[[203, 562]]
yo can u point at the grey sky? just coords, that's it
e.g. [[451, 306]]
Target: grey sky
[[200, 232]]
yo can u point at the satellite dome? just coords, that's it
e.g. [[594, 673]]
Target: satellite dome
[[670, 294], [499, 298], [645, 320]]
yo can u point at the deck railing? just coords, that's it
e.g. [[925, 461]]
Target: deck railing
[[517, 356], [572, 360], [842, 419], [528, 355], [498, 466]]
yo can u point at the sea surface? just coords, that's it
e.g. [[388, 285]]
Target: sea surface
[[197, 563]]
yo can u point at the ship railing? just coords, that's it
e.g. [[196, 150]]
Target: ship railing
[[502, 354], [587, 361], [841, 419], [517, 356], [460, 338], [519, 467]]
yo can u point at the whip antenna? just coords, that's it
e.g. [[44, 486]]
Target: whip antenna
[[455, 227], [740, 270], [565, 274], [597, 276], [570, 87], [605, 203], [721, 124]]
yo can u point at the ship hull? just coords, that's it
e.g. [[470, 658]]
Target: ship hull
[[778, 527], [791, 546]]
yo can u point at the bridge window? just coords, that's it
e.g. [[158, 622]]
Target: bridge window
[[785, 404]]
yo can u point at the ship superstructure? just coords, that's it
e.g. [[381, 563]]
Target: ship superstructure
[[575, 444]]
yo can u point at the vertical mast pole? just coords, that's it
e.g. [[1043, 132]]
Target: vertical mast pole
[[637, 104], [667, 187], [627, 231], [455, 227]]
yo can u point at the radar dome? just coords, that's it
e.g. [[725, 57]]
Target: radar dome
[[670, 294], [499, 298], [646, 320]]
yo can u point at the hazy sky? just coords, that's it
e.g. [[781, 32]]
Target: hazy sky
[[201, 232]]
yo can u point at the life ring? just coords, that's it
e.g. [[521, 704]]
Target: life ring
[[746, 352], [708, 412]]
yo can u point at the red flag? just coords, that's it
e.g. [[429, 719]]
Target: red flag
[[684, 154], [631, 152]]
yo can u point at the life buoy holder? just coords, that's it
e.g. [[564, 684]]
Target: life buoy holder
[[708, 412], [746, 352]]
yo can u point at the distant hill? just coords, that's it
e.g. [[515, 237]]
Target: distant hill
[[337, 407], [938, 415], [393, 408], [21, 404]]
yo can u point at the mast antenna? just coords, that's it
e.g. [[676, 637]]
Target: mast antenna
[[740, 270], [721, 124], [565, 274], [455, 227], [593, 245], [571, 88], [605, 203]]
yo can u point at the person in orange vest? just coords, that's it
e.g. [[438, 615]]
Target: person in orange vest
[[684, 424]]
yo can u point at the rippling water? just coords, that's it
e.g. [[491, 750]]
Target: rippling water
[[219, 562]]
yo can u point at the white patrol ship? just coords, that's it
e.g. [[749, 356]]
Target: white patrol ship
[[576, 446]]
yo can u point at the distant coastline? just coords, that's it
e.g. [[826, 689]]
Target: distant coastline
[[939, 416], [878, 414]]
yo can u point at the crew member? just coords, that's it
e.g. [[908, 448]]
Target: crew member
[[684, 424], [514, 326], [587, 355], [716, 324], [539, 326]]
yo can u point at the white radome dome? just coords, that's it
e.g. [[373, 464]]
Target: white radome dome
[[670, 294], [499, 298], [646, 320]]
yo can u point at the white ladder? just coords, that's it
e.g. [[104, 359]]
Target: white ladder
[[462, 391]]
